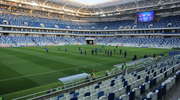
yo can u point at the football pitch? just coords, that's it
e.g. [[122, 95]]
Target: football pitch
[[29, 67]]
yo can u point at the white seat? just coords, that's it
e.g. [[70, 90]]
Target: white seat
[[124, 97]]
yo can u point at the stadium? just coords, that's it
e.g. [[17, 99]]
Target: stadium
[[89, 49]]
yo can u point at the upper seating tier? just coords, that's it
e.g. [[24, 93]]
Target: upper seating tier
[[8, 19]]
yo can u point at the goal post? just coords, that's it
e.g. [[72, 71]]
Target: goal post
[[90, 41]]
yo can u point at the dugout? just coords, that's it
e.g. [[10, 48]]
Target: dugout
[[90, 41], [74, 78]]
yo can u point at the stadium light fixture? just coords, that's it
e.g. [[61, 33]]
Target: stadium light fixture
[[34, 4], [91, 2], [11, 0]]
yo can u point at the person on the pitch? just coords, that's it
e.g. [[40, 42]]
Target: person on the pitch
[[81, 52], [92, 52], [120, 52], [125, 54], [85, 52], [65, 50], [46, 49]]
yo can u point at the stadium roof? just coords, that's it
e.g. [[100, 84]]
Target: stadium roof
[[84, 8], [84, 2], [77, 3], [90, 3]]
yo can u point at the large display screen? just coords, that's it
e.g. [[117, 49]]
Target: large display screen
[[145, 16]]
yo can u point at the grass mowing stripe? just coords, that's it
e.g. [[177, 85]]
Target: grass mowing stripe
[[70, 58], [39, 59], [6, 72], [36, 74], [9, 72], [21, 64]]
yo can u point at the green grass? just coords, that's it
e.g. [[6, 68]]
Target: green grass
[[32, 69]]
